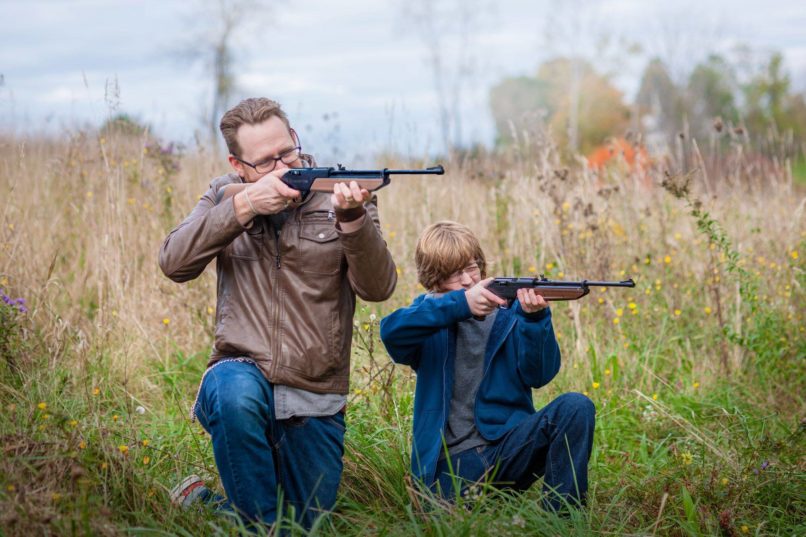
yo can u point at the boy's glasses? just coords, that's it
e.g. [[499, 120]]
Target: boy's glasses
[[469, 270]]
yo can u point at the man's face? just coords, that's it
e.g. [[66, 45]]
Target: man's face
[[262, 143], [462, 279]]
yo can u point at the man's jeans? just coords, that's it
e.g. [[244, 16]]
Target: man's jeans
[[555, 443], [256, 454]]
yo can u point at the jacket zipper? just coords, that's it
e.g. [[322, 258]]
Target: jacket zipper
[[489, 364]]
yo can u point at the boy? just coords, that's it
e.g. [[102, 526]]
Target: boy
[[476, 365]]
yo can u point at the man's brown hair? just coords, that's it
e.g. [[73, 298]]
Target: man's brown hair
[[445, 248], [248, 112]]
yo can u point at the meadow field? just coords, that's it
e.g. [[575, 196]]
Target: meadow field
[[698, 373]]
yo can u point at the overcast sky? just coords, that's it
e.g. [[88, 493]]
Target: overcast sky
[[362, 64]]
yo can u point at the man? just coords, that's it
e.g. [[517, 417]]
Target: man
[[476, 366], [289, 269]]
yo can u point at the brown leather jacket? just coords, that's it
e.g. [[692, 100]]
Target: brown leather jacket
[[286, 302]]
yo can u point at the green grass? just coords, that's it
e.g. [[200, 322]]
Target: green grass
[[693, 461]]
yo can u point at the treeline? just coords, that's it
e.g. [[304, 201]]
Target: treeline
[[742, 94]]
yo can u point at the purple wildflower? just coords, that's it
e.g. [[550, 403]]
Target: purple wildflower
[[764, 465]]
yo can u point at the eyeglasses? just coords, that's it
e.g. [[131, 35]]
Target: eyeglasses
[[470, 270], [289, 156]]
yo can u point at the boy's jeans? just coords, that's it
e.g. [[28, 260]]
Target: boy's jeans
[[555, 443], [256, 454]]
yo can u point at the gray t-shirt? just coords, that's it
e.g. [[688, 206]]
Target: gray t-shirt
[[468, 369]]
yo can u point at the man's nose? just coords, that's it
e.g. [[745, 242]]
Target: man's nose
[[281, 165], [465, 278]]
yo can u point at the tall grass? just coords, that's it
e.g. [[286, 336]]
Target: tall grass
[[698, 373]]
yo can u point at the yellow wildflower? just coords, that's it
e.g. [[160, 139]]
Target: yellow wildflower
[[632, 305], [654, 396], [11, 488], [73, 423], [146, 459], [794, 254], [585, 393], [115, 417], [145, 442], [677, 312], [616, 320], [707, 310], [104, 466], [607, 372], [696, 385], [687, 458], [210, 310], [42, 406], [724, 481], [532, 269], [124, 449], [667, 259], [82, 445], [595, 385], [620, 312], [55, 496], [96, 391], [560, 274], [601, 300], [549, 266], [166, 321], [745, 529]]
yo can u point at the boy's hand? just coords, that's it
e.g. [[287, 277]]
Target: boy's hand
[[530, 301], [481, 301]]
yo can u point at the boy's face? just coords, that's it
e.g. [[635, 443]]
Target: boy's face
[[462, 279]]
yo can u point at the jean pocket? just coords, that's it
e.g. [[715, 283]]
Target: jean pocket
[[336, 420]]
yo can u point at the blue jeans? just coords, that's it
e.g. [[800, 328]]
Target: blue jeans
[[554, 443], [258, 456]]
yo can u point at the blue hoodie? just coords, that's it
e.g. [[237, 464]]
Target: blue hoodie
[[521, 354]]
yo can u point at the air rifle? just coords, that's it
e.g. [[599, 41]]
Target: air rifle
[[323, 179], [549, 289]]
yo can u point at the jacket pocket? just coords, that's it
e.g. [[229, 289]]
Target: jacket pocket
[[318, 244]]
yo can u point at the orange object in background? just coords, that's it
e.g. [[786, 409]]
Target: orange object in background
[[616, 148]]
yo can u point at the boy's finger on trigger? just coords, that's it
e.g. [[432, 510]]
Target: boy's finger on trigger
[[492, 297]]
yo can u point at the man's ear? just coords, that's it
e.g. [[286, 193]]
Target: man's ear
[[236, 165]]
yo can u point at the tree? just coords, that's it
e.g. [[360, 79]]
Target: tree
[[712, 90], [597, 109], [216, 27]]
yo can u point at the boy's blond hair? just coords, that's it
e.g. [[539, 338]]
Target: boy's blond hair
[[443, 249]]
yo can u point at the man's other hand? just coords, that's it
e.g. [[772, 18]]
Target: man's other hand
[[350, 196]]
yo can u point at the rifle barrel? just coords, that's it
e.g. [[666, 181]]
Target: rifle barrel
[[623, 283], [435, 170]]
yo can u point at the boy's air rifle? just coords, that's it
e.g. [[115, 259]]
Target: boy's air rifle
[[549, 289], [323, 179]]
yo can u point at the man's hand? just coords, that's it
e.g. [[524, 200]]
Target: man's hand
[[481, 301], [268, 195], [530, 301], [346, 197]]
